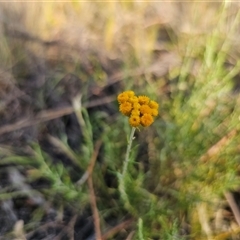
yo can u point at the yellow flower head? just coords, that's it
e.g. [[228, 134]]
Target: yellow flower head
[[136, 106], [143, 99], [145, 109], [125, 108], [134, 120], [154, 112], [139, 109], [133, 99], [153, 104], [135, 112], [122, 97], [130, 93], [146, 120]]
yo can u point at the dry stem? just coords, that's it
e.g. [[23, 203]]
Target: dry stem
[[96, 217]]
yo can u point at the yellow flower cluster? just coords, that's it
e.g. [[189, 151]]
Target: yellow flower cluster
[[139, 109]]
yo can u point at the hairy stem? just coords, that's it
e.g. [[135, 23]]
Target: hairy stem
[[122, 177], [126, 161]]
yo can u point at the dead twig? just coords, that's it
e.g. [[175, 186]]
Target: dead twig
[[130, 235], [91, 165], [233, 206], [116, 229], [215, 149], [44, 227], [47, 115], [96, 218], [69, 228]]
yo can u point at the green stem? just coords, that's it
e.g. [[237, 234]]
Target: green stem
[[122, 177], [126, 161]]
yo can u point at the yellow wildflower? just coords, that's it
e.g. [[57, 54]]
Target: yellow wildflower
[[130, 93], [133, 99], [146, 120], [143, 99], [136, 105], [153, 104], [140, 110], [135, 112], [154, 112], [134, 120], [145, 109], [125, 108], [122, 97]]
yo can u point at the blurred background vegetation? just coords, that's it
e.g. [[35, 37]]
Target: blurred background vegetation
[[63, 141]]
